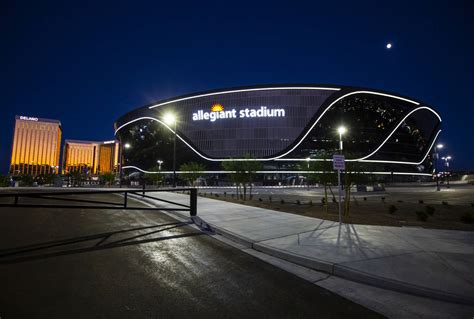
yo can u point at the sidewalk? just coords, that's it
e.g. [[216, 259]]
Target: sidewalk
[[433, 263]]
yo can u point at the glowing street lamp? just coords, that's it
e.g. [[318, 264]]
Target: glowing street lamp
[[159, 164], [123, 146], [170, 119], [341, 130], [436, 153]]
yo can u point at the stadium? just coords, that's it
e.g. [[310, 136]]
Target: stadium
[[285, 127]]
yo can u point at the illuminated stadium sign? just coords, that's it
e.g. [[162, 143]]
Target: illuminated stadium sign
[[218, 112]]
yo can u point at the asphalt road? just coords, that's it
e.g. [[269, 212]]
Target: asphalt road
[[78, 263]]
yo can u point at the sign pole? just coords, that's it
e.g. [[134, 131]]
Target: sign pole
[[340, 195]]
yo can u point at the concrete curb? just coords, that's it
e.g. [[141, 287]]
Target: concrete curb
[[332, 268], [395, 285], [232, 236], [295, 258], [362, 277]]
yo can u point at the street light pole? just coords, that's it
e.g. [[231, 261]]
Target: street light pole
[[341, 130], [169, 119], [436, 148], [120, 164], [446, 165], [174, 155], [307, 176], [122, 146]]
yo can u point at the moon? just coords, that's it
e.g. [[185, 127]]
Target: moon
[[389, 46]]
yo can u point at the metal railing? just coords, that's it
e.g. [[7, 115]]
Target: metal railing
[[18, 199]]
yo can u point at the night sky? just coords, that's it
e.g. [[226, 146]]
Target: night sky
[[87, 64]]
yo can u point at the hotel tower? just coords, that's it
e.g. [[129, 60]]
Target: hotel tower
[[36, 146], [90, 157]]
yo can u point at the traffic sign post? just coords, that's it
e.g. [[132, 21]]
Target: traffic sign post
[[339, 164]]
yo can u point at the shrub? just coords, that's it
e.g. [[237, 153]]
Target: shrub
[[421, 215], [282, 201], [467, 218], [445, 203], [430, 210], [392, 209], [4, 181], [217, 195], [26, 180], [420, 201]]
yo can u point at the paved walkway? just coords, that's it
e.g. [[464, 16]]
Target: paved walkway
[[433, 263]]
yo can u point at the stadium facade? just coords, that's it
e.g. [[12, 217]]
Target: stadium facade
[[284, 127]]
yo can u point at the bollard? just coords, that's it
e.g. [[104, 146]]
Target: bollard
[[193, 202], [143, 193], [125, 200]]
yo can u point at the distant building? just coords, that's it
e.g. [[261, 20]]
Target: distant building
[[108, 157], [36, 146], [90, 157]]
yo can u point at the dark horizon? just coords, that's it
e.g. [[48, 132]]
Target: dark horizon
[[87, 66]]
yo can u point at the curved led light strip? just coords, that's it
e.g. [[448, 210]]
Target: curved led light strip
[[271, 172], [330, 105], [403, 120], [169, 128], [413, 163], [244, 90], [363, 159]]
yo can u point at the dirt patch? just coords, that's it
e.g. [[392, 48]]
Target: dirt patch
[[372, 211]]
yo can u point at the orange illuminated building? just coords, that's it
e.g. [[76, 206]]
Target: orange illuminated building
[[90, 157], [108, 157], [36, 146]]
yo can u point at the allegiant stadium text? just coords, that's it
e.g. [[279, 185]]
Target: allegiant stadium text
[[263, 111]]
